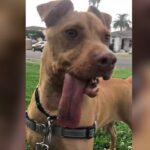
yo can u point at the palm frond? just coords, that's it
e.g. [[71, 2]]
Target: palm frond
[[121, 22]]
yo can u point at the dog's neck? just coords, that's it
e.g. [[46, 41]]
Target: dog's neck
[[50, 86]]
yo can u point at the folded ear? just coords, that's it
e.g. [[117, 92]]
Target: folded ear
[[53, 11], [104, 17], [108, 19]]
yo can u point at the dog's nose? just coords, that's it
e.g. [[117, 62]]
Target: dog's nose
[[106, 60]]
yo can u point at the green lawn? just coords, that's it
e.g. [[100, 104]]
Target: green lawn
[[102, 138], [32, 76]]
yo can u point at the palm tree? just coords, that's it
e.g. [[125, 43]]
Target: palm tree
[[94, 3], [122, 22]]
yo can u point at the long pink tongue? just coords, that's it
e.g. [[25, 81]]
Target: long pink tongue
[[70, 102]]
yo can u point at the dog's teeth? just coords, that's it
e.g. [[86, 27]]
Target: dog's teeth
[[92, 83]]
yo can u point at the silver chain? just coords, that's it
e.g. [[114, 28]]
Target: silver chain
[[44, 145]]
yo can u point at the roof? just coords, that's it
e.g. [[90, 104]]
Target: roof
[[124, 34], [35, 28]]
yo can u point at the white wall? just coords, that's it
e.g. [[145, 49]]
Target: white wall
[[28, 44], [126, 45], [117, 44]]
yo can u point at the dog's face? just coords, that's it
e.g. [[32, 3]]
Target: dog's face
[[78, 40], [78, 45]]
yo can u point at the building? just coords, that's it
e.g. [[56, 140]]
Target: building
[[31, 29], [121, 40], [29, 39], [28, 44], [35, 28]]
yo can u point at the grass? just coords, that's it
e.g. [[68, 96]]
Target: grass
[[124, 55], [32, 76], [124, 136], [122, 73]]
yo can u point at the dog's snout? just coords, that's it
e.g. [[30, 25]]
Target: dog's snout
[[106, 60]]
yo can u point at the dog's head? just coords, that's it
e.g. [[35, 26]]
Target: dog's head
[[78, 44], [78, 41]]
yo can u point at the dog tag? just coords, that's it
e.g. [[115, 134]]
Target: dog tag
[[42, 146]]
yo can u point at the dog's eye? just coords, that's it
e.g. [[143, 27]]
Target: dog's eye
[[71, 33], [107, 37]]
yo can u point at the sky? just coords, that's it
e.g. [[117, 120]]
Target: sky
[[112, 7]]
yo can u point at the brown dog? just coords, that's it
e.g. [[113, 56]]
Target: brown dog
[[76, 54]]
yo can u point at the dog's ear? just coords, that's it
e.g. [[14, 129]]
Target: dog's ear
[[53, 11], [104, 17], [108, 19]]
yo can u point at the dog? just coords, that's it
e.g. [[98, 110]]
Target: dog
[[76, 64]]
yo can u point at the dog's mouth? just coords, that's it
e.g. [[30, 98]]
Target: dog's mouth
[[91, 88], [74, 90]]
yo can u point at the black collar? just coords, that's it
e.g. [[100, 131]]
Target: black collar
[[43, 129], [40, 107], [76, 133]]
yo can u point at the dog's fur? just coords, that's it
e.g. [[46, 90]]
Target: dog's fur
[[113, 101]]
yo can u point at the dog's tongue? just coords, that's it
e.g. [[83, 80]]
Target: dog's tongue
[[70, 102]]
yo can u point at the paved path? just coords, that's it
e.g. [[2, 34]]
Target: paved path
[[33, 55], [122, 61]]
